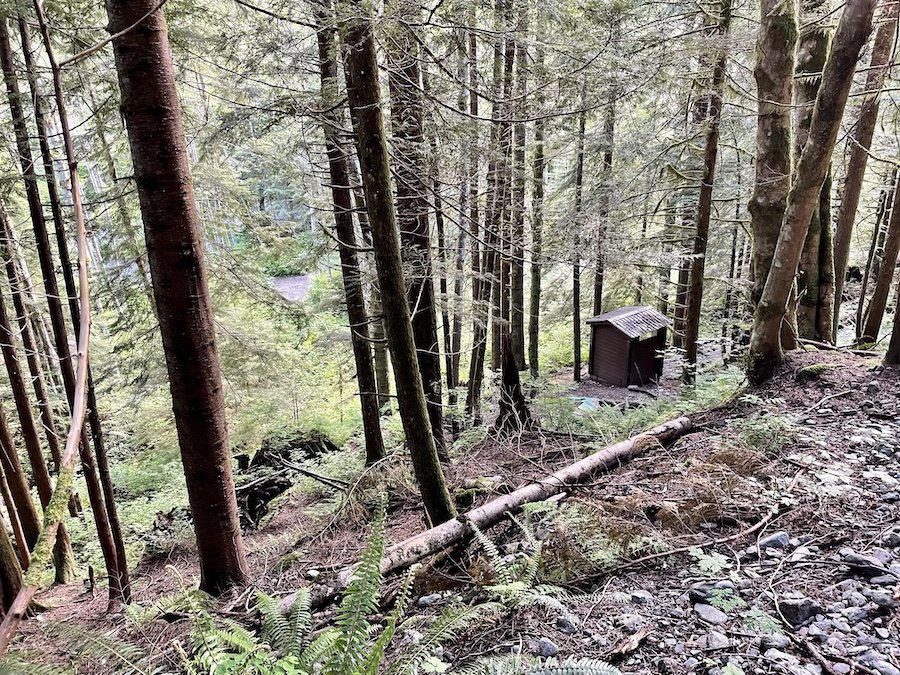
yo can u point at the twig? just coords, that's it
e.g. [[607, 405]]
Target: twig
[[80, 56], [335, 483], [824, 399], [684, 549]]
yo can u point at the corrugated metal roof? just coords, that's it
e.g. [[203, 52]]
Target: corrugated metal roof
[[632, 321]]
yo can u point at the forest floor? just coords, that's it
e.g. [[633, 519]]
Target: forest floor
[[772, 532]]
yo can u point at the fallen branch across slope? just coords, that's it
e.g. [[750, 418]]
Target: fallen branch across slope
[[404, 554]]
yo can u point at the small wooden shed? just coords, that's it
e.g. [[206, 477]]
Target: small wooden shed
[[627, 345]]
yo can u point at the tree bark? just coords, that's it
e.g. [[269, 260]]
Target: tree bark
[[18, 485], [57, 319], [606, 173], [152, 117], [364, 97], [343, 219], [576, 245], [884, 280], [22, 550], [517, 220], [407, 133], [63, 559], [876, 249], [812, 51], [537, 227], [704, 203], [10, 570], [774, 73], [765, 344], [860, 142]]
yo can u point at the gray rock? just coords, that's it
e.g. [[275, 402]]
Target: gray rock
[[641, 597], [429, 600], [631, 623], [855, 614], [564, 625], [841, 668], [710, 614], [873, 387], [884, 599], [691, 663], [891, 539], [884, 580], [891, 497], [717, 640], [774, 641], [798, 611], [547, 648], [775, 540], [867, 565], [885, 668]]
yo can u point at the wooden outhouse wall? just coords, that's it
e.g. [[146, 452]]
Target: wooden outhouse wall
[[609, 355]]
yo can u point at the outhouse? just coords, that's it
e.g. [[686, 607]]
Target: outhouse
[[627, 345]]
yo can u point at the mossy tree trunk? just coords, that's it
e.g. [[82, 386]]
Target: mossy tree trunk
[[815, 271], [152, 115], [576, 246], [853, 30], [704, 202], [57, 318], [859, 143], [343, 218], [364, 98], [883, 282], [407, 134], [63, 559]]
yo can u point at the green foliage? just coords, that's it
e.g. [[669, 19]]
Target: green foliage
[[767, 433], [710, 562], [759, 621], [725, 599], [584, 540]]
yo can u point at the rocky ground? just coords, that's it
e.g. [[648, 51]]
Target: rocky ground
[[766, 541], [808, 581]]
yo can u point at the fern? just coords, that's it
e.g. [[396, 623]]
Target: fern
[[286, 635], [498, 564], [370, 667], [359, 602], [121, 657], [447, 626], [319, 649], [516, 665], [17, 665]]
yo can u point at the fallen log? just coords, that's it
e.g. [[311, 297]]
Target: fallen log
[[404, 554]]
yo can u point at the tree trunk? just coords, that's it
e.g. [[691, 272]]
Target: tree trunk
[[484, 270], [609, 129], [22, 551], [803, 199], [379, 343], [884, 280], [812, 51], [517, 221], [774, 73], [57, 319], [346, 234], [152, 117], [860, 142], [18, 485], [537, 227], [892, 355], [704, 204], [576, 245], [63, 559], [10, 571], [876, 249], [364, 97], [404, 81]]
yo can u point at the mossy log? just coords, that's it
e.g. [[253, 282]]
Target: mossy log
[[452, 532]]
